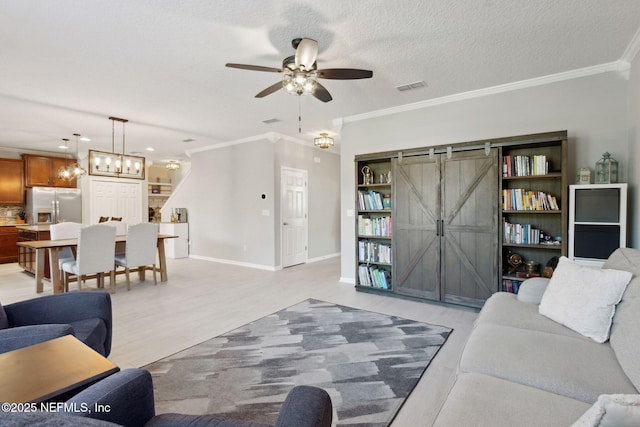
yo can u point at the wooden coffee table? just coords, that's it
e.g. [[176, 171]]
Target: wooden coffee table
[[43, 371]]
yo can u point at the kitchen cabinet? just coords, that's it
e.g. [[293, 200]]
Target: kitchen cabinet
[[8, 247], [43, 171], [12, 178]]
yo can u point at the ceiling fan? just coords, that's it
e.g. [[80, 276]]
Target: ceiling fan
[[300, 72]]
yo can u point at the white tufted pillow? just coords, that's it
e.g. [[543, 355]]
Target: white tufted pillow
[[584, 298]]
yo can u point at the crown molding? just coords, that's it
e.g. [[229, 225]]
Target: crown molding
[[272, 137], [617, 66], [632, 49]]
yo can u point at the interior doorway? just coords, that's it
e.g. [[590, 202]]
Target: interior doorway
[[294, 224]]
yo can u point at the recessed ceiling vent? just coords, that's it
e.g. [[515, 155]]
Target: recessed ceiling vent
[[269, 121], [411, 86]]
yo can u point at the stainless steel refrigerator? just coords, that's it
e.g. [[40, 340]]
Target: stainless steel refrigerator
[[50, 205]]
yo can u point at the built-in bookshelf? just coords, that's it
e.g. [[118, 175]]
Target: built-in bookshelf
[[533, 207], [374, 226]]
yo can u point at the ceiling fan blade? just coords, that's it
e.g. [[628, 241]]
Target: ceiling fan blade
[[344, 73], [306, 53], [268, 91], [254, 68], [322, 93]]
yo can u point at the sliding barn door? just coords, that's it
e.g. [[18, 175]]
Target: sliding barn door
[[445, 231], [470, 227], [415, 221]]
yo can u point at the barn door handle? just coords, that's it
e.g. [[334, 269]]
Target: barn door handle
[[285, 223]]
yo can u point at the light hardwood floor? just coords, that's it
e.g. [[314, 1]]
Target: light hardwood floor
[[203, 299]]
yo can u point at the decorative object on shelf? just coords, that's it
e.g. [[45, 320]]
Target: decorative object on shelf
[[113, 164], [367, 175], [389, 177], [550, 267], [64, 171], [172, 165], [584, 176], [606, 170], [531, 266], [323, 141], [515, 261], [386, 201]]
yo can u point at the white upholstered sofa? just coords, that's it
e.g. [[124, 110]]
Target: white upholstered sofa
[[520, 368]]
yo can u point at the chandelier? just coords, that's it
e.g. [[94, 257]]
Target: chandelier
[[63, 171], [323, 141], [75, 170], [172, 165], [114, 164], [72, 171]]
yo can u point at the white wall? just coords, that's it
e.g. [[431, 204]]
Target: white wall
[[323, 171], [223, 196], [592, 109]]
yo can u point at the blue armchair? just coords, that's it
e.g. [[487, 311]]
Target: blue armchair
[[126, 399], [86, 315]]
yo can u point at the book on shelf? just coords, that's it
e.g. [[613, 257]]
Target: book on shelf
[[369, 200], [511, 286], [374, 252], [519, 199], [520, 234], [535, 165], [378, 226], [371, 275]]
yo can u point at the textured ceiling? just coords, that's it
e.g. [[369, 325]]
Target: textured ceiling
[[67, 65]]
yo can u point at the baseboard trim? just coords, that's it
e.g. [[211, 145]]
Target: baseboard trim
[[238, 263], [323, 257]]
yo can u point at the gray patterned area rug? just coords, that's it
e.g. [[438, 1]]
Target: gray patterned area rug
[[368, 362]]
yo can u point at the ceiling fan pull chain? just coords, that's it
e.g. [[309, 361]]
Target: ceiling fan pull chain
[[299, 115]]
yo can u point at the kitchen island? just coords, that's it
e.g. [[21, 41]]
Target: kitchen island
[[26, 255]]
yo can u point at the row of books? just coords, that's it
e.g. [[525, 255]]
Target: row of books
[[519, 199], [521, 234], [374, 252], [509, 285], [370, 275], [380, 226], [369, 200], [525, 165]]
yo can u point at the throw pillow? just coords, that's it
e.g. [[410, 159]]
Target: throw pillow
[[619, 410], [584, 298]]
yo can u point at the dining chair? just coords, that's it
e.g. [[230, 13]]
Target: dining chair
[[96, 248], [121, 227], [121, 230], [65, 230], [140, 250]]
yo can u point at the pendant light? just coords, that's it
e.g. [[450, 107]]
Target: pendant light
[[114, 164], [64, 172], [75, 170]]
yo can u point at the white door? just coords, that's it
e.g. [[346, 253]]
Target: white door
[[116, 198], [294, 216]]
